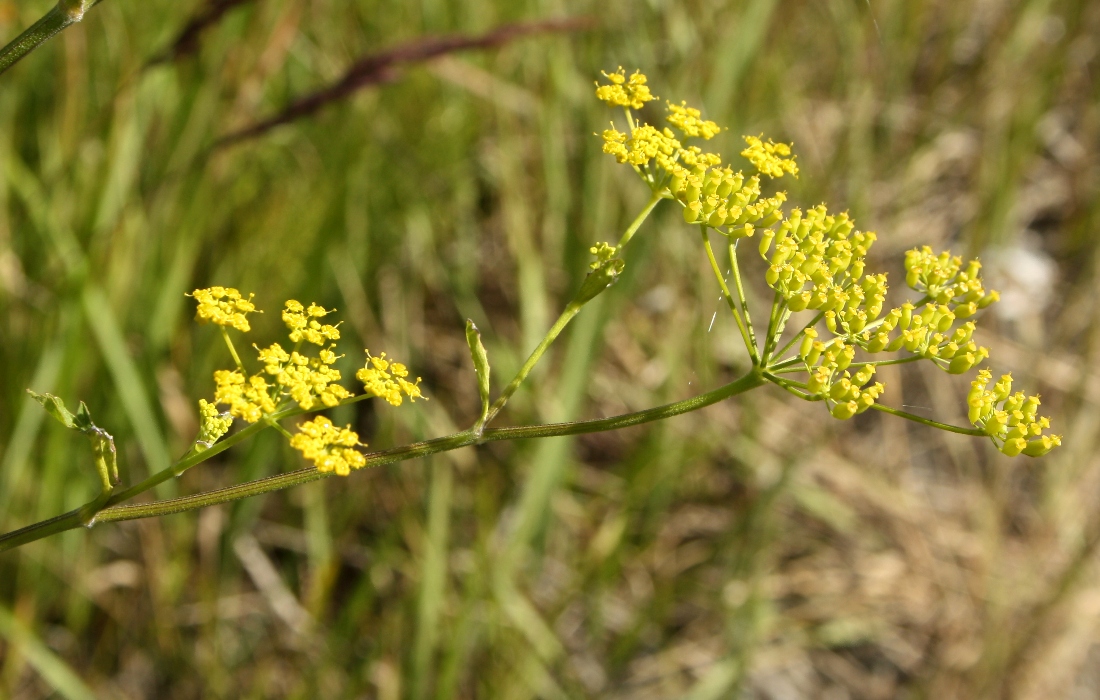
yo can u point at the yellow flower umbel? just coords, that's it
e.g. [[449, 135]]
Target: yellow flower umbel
[[622, 91], [718, 197], [248, 399], [330, 448], [770, 158], [303, 323], [305, 379], [1010, 420], [224, 306], [387, 380]]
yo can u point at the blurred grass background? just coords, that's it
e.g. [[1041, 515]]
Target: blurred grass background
[[755, 549]]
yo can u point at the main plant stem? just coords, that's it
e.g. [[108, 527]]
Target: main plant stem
[[108, 512]]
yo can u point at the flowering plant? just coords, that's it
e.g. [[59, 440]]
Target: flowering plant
[[816, 267]]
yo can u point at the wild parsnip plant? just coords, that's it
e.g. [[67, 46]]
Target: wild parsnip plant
[[816, 268]]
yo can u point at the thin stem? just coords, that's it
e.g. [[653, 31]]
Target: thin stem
[[929, 422], [61, 15], [232, 350], [741, 294], [749, 345], [566, 316], [811, 324], [778, 305], [72, 520], [639, 220]]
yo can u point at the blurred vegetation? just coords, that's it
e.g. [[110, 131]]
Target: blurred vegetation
[[754, 549]]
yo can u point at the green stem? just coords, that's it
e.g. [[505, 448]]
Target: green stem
[[639, 220], [929, 422], [232, 350], [571, 310], [741, 293], [61, 15], [79, 517], [749, 345], [811, 324]]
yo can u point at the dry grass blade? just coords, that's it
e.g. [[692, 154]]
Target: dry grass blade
[[382, 67]]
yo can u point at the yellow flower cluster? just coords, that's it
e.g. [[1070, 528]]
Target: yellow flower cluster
[[843, 391], [943, 279], [387, 380], [622, 91], [330, 448], [710, 195], [212, 425], [303, 323], [223, 306], [247, 399], [690, 121], [770, 158], [645, 143], [1012, 420], [816, 263], [305, 379], [928, 334], [720, 197]]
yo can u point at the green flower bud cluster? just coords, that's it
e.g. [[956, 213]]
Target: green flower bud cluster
[[928, 334], [846, 394], [1011, 420], [603, 253], [213, 424], [817, 262], [944, 280]]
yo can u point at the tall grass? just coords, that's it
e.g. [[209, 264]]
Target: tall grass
[[754, 549]]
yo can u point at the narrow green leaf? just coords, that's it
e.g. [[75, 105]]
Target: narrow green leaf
[[103, 444], [481, 365], [51, 667], [56, 408]]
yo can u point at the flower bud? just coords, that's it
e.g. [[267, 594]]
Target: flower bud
[[1042, 445], [693, 211], [845, 358], [844, 411], [1013, 447]]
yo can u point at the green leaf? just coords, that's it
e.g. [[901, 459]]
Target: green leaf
[[103, 444], [481, 365], [56, 408]]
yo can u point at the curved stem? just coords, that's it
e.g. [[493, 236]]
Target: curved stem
[[639, 220], [741, 295], [566, 316], [749, 345], [73, 519], [929, 422]]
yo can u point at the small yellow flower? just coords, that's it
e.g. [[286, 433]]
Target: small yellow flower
[[330, 448], [223, 306], [248, 400], [770, 158], [303, 323], [689, 120], [623, 91], [1011, 420], [387, 380]]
